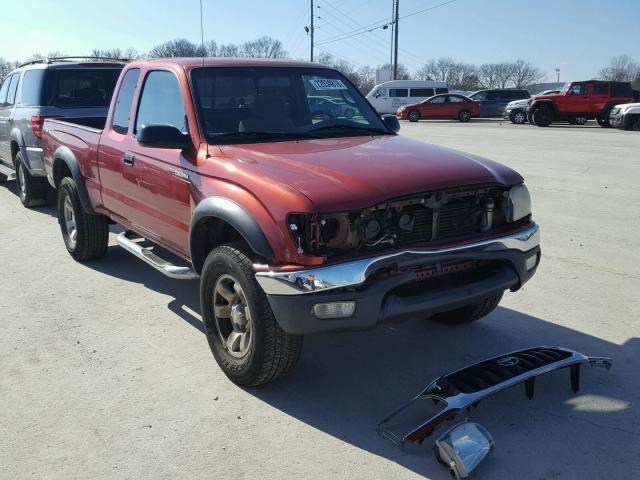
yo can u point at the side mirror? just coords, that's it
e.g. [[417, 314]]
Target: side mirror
[[392, 122], [163, 136]]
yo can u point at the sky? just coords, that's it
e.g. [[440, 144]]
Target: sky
[[578, 37]]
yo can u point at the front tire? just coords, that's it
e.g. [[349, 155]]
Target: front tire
[[32, 191], [543, 116], [86, 236], [414, 116], [636, 124], [243, 334], [464, 116], [519, 118], [469, 313]]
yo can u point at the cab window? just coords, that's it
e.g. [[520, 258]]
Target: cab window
[[601, 89], [161, 102], [578, 89], [122, 109]]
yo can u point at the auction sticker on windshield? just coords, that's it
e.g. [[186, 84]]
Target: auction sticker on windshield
[[328, 84]]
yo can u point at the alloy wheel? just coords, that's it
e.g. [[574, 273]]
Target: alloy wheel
[[70, 225], [519, 118], [232, 316], [22, 184]]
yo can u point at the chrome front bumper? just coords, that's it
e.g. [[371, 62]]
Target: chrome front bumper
[[354, 273]]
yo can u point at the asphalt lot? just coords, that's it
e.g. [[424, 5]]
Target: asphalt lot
[[105, 372]]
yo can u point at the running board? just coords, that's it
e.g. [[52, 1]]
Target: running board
[[8, 171], [447, 396], [127, 240]]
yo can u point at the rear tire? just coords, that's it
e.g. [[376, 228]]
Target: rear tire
[[519, 118], [243, 334], [543, 116], [581, 120], [86, 236], [603, 120], [469, 313], [32, 191], [464, 116], [636, 124], [414, 116]]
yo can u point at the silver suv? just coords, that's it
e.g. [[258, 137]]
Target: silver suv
[[53, 87]]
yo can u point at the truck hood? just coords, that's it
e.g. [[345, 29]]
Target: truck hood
[[339, 174]]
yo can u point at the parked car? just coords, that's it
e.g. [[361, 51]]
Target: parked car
[[330, 107], [55, 87], [578, 102], [516, 111], [626, 116], [445, 106], [294, 224], [389, 96], [493, 102]]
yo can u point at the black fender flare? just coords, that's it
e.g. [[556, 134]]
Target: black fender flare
[[222, 208], [543, 103], [63, 155]]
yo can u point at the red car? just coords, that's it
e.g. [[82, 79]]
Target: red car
[[446, 105]]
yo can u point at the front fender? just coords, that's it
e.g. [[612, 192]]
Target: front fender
[[232, 213]]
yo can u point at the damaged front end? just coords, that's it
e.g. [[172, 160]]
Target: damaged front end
[[445, 397]]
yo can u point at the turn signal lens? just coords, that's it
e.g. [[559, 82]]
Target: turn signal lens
[[334, 309]]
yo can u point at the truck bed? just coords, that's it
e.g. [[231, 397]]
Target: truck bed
[[96, 123]]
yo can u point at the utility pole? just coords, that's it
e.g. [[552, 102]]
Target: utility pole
[[558, 72], [395, 33], [311, 32]]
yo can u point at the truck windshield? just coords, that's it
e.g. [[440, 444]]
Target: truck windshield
[[261, 104]]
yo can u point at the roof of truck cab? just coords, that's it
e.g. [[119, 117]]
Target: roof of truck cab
[[189, 63]]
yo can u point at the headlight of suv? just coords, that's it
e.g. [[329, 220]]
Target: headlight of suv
[[517, 203]]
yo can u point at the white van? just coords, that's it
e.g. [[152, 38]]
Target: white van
[[389, 96]]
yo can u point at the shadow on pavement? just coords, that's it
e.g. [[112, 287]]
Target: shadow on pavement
[[345, 383], [50, 208]]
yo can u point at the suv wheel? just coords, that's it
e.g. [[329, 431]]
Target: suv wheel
[[31, 190], [543, 116], [603, 120], [464, 116], [244, 336], [518, 118], [414, 116], [86, 236], [470, 313]]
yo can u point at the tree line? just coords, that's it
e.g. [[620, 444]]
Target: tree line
[[457, 75]]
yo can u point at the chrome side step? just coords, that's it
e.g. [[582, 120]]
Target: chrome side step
[[8, 171], [127, 240]]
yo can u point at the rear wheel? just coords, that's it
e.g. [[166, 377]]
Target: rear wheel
[[603, 120], [470, 313], [243, 334], [580, 120], [543, 116], [636, 124], [518, 118], [414, 116], [31, 190], [464, 116], [86, 236]]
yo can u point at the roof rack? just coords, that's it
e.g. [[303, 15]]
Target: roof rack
[[48, 60]]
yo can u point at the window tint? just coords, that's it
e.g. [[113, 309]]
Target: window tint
[[441, 90], [601, 89], [398, 92], [422, 92], [13, 87], [497, 95], [579, 89], [73, 88], [32, 87], [520, 94], [161, 102], [438, 100], [122, 109], [3, 90]]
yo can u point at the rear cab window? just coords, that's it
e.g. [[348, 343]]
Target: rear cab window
[[124, 101], [80, 87]]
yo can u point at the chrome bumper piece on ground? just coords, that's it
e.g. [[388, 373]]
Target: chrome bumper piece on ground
[[354, 273], [449, 394]]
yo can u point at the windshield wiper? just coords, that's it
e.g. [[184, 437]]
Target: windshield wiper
[[350, 127], [260, 135]]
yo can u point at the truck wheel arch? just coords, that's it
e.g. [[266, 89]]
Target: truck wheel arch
[[544, 104], [65, 165], [217, 220]]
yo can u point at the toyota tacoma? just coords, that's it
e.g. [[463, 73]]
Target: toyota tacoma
[[295, 222]]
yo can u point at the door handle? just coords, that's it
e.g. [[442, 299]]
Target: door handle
[[128, 159]]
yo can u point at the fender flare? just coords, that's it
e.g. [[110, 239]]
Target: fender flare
[[16, 137], [543, 103], [65, 155], [227, 210]]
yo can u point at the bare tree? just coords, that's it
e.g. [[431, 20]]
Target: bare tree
[[622, 69], [180, 47], [5, 67], [525, 73], [264, 47], [457, 75], [115, 53]]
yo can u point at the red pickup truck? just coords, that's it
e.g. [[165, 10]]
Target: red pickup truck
[[295, 221]]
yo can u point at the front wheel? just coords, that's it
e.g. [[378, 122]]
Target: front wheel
[[464, 116], [469, 313], [86, 236], [243, 334], [604, 121], [31, 190], [518, 118], [542, 117], [414, 116], [580, 120]]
